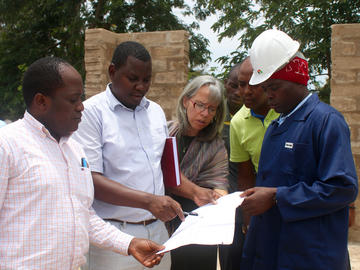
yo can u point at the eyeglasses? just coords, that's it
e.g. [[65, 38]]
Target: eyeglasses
[[199, 108]]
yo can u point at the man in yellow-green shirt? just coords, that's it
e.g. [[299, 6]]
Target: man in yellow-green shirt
[[248, 132], [247, 129]]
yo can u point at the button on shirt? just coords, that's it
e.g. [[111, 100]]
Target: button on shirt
[[46, 219], [126, 146]]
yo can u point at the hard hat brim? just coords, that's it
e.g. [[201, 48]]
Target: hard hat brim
[[259, 78]]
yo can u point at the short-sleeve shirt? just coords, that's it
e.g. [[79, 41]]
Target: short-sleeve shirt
[[246, 135], [126, 146]]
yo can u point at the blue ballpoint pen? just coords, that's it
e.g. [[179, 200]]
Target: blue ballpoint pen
[[84, 163]]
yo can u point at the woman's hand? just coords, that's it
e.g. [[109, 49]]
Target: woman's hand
[[202, 196], [222, 192], [199, 195]]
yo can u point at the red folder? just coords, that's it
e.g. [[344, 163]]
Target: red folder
[[170, 163]]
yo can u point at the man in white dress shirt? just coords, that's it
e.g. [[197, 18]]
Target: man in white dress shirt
[[46, 190], [123, 134]]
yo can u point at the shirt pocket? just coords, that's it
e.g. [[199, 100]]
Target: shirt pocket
[[158, 136], [297, 159], [307, 239], [83, 186]]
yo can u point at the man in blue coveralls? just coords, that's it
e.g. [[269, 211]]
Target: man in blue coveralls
[[306, 177]]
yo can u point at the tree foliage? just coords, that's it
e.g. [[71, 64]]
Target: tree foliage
[[308, 21], [32, 29], [28, 31]]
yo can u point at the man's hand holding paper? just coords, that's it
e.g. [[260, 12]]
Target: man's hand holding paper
[[214, 224]]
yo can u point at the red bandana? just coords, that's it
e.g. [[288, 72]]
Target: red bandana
[[295, 71]]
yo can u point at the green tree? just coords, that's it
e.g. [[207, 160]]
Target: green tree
[[308, 21], [35, 28], [28, 31]]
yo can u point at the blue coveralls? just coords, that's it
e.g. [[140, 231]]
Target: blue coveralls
[[308, 158]]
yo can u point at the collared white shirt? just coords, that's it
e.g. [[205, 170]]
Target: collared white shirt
[[126, 146], [46, 218]]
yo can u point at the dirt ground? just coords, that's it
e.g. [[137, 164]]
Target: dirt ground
[[354, 250]]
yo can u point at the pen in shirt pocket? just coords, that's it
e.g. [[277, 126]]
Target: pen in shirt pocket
[[84, 163]]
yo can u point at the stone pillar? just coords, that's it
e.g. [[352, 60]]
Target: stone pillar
[[345, 92], [169, 51]]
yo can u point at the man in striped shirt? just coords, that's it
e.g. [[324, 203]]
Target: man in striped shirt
[[46, 189]]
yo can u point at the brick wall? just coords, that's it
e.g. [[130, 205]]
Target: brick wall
[[345, 91], [169, 51]]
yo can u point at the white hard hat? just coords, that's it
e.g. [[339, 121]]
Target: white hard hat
[[270, 50]]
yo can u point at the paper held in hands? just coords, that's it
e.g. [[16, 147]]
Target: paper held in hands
[[170, 163], [215, 224]]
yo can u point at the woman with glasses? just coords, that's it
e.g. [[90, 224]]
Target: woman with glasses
[[203, 161]]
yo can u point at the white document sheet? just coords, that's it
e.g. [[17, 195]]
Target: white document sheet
[[215, 224]]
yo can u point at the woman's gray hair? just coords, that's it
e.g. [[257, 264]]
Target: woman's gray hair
[[216, 95]]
